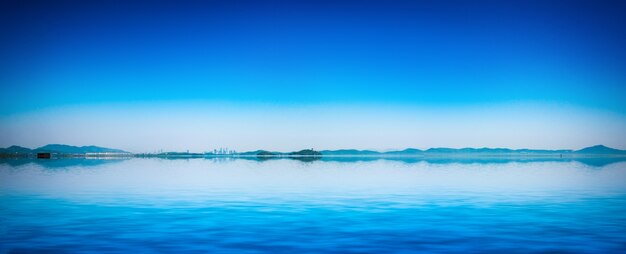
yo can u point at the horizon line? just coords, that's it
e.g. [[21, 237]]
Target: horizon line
[[339, 149]]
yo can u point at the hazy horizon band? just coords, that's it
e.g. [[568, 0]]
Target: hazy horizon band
[[201, 127]]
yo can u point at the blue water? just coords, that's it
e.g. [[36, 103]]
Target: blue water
[[285, 206]]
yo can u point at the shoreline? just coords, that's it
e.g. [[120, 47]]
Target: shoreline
[[410, 156]]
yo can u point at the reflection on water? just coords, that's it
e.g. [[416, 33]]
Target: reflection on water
[[291, 206], [95, 161], [60, 163]]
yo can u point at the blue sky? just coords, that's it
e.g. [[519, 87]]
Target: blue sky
[[67, 58]]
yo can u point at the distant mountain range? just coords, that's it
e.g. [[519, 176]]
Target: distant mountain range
[[61, 149], [593, 150]]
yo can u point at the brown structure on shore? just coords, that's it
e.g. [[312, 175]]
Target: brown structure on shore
[[43, 156]]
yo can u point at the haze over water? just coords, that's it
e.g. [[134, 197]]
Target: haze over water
[[289, 206]]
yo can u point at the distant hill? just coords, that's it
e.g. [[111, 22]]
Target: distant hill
[[408, 151], [61, 149], [306, 152], [15, 150], [266, 153], [58, 148], [259, 152], [599, 149]]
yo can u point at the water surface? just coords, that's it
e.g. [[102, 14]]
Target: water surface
[[291, 206]]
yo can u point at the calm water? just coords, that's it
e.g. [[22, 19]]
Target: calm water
[[290, 206]]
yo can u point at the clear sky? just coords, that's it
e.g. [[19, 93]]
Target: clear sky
[[284, 75]]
